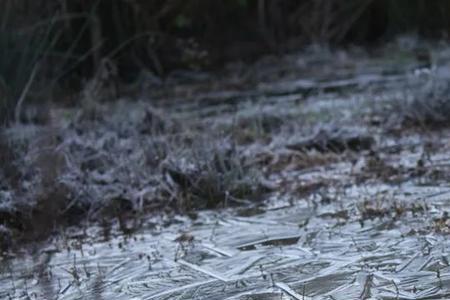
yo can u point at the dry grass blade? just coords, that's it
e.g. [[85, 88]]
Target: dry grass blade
[[24, 94]]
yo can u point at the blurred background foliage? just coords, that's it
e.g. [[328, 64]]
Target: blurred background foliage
[[69, 39]]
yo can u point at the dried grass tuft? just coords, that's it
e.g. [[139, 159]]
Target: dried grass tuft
[[212, 176]]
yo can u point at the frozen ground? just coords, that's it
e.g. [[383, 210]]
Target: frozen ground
[[348, 197]]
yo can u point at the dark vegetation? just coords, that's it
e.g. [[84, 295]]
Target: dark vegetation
[[64, 43], [85, 53]]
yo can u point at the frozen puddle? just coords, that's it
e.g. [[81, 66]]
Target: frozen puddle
[[273, 255]]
